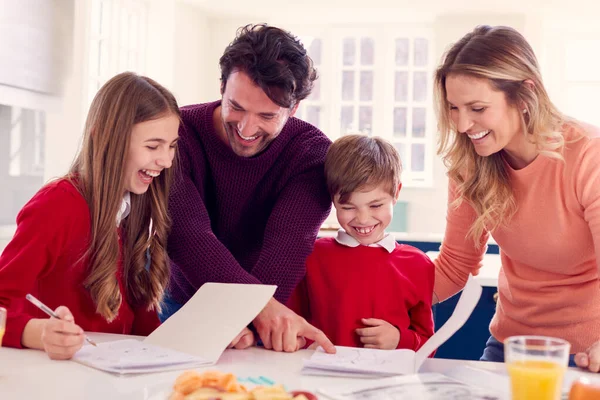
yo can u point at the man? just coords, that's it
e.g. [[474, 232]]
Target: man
[[252, 195]]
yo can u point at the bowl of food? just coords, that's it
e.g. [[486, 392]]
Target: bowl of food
[[216, 385]]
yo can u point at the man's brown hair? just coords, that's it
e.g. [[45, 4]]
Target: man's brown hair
[[354, 162], [274, 59]]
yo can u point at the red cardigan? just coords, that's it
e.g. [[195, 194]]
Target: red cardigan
[[44, 259], [345, 284]]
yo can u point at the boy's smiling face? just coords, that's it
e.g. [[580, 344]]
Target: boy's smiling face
[[367, 213]]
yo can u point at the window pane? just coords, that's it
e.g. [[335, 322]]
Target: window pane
[[95, 18], [133, 61], [420, 86], [349, 55], [421, 51], [399, 122], [417, 162], [134, 29], [313, 115], [347, 117], [105, 18], [418, 122], [123, 29], [367, 51], [366, 85], [94, 61], [401, 147], [123, 60], [365, 117], [348, 85], [401, 86], [402, 51], [103, 64], [314, 50], [22, 134], [316, 91], [93, 87]]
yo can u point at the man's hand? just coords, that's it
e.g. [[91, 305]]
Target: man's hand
[[281, 329], [380, 334], [243, 340], [590, 359]]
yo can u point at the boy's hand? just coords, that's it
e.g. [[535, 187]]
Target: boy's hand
[[243, 340], [379, 334]]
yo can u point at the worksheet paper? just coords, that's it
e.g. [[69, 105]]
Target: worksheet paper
[[361, 362], [195, 335], [429, 386]]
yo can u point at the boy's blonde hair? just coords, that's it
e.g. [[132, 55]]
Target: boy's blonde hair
[[356, 161]]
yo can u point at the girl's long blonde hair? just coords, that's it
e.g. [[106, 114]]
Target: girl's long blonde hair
[[98, 173], [503, 57]]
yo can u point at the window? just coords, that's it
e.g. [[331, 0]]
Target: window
[[376, 81], [357, 75], [118, 31], [310, 109], [22, 133], [411, 104]]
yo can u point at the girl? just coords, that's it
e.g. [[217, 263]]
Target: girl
[[82, 241]]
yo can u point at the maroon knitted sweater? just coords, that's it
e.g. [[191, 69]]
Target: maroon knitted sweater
[[244, 220]]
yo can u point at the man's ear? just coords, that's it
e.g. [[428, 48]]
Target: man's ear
[[294, 109]]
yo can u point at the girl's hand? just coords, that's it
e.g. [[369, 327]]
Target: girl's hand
[[61, 338]]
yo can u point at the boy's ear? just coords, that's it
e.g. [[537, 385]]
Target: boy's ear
[[397, 196]]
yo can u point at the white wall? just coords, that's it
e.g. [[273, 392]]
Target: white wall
[[191, 44], [64, 122]]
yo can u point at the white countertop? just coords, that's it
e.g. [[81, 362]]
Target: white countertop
[[30, 374], [488, 274]]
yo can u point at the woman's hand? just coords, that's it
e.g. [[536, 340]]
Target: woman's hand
[[589, 359]]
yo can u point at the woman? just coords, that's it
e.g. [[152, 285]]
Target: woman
[[529, 176], [81, 241]]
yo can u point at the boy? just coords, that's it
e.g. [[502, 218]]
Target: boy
[[362, 288]]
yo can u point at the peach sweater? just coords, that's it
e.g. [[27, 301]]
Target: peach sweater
[[549, 282]]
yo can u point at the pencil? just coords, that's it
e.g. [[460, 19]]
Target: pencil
[[51, 313]]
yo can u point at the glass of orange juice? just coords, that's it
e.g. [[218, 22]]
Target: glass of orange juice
[[2, 323], [536, 365]]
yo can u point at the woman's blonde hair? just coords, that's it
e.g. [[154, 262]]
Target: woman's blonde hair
[[502, 56], [99, 174]]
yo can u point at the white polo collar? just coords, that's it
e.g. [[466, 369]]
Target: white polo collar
[[388, 242]]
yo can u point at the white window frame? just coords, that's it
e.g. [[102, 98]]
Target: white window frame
[[112, 49], [383, 87]]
